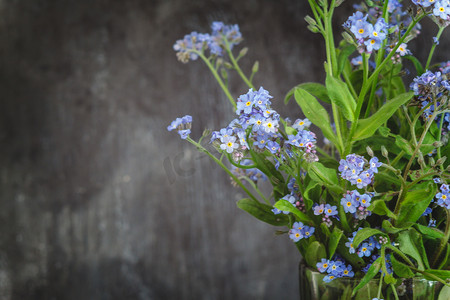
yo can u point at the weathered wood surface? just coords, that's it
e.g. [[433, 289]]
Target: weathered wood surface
[[98, 200]]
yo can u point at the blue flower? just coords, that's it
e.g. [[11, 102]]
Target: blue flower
[[442, 9], [301, 124], [182, 125], [319, 209], [273, 147], [295, 235], [323, 265], [330, 210], [349, 203], [364, 250], [229, 144]]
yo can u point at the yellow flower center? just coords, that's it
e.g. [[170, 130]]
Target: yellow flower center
[[248, 103], [361, 31]]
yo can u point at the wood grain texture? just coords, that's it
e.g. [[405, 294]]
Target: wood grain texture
[[98, 200]]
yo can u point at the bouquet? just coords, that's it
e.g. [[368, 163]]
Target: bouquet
[[372, 199]]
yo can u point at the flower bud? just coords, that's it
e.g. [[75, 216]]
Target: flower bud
[[438, 144], [421, 161], [228, 65], [384, 152], [243, 52], [224, 74], [348, 38], [255, 67], [338, 3], [369, 151], [310, 21], [441, 160], [431, 161], [313, 29]]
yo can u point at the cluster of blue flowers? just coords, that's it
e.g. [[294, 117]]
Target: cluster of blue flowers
[[258, 125], [354, 169], [439, 8], [334, 269], [300, 231], [182, 125], [327, 211], [368, 36], [433, 85], [371, 30], [188, 47], [357, 204]]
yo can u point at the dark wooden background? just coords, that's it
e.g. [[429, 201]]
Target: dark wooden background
[[97, 199]]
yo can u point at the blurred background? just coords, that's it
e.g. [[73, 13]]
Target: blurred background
[[97, 199]]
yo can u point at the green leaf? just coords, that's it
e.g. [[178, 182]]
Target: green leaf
[[315, 252], [442, 274], [263, 212], [414, 204], [407, 246], [445, 293], [379, 207], [267, 168], [429, 231], [400, 269], [326, 176], [312, 193], [367, 127], [315, 113], [285, 205], [316, 89], [417, 65], [384, 131], [343, 56], [335, 238], [341, 96], [371, 273], [390, 228], [364, 234]]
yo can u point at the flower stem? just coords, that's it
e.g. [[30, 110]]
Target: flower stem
[[217, 77], [236, 65], [430, 55], [238, 182]]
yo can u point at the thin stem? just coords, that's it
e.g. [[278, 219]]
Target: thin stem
[[374, 75], [380, 285], [217, 77], [236, 65], [394, 291], [444, 240], [255, 188], [441, 123], [441, 29], [238, 182]]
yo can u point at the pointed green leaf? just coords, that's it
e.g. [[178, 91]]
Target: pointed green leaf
[[343, 56], [429, 231], [371, 273], [315, 112], [444, 293], [414, 204], [316, 89], [400, 269], [379, 207], [285, 205], [389, 228], [267, 167], [367, 127], [407, 246], [325, 176], [335, 238], [315, 252], [364, 234], [442, 274], [417, 65], [341, 96], [263, 212]]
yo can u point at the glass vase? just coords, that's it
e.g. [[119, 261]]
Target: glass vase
[[312, 287]]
